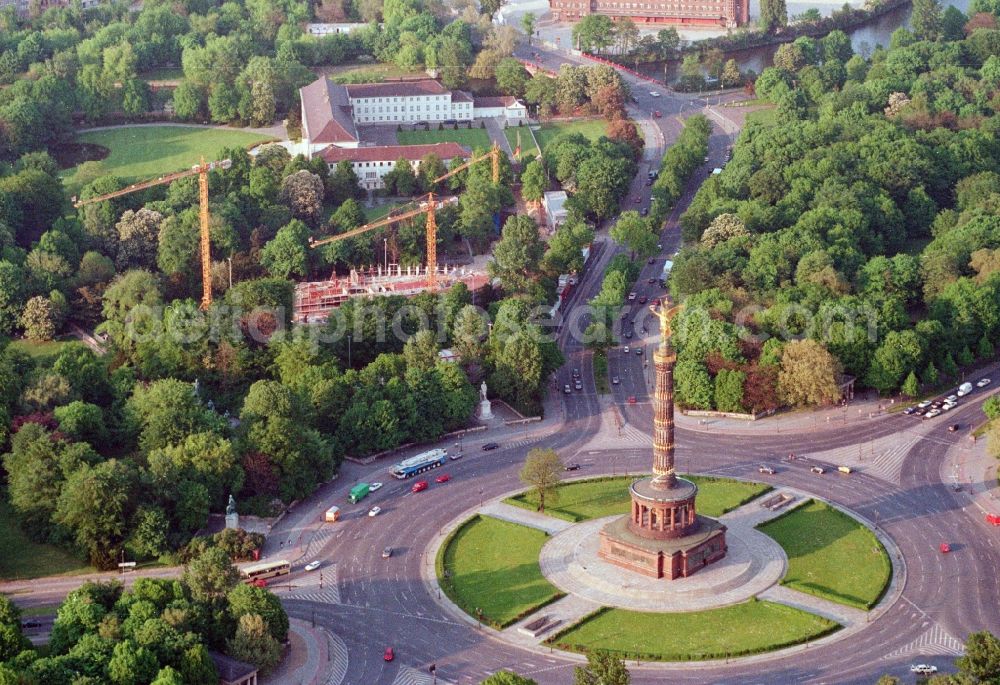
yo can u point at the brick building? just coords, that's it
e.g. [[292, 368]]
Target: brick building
[[709, 13]]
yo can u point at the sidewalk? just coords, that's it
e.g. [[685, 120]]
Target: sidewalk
[[316, 657], [970, 467]]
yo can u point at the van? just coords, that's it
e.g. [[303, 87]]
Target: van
[[964, 389], [844, 469]]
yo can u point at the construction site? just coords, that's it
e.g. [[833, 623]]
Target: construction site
[[314, 300]]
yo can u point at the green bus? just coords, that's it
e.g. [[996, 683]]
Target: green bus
[[359, 492]]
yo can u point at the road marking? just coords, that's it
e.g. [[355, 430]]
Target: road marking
[[935, 641]]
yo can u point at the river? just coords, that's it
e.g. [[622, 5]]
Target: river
[[864, 38]]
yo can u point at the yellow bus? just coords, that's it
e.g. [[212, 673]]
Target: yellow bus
[[264, 570]]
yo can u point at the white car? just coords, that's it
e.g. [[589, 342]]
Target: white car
[[625, 349], [653, 94], [951, 398], [375, 511], [615, 380], [313, 565], [924, 404], [374, 486], [983, 382], [932, 413], [923, 669]]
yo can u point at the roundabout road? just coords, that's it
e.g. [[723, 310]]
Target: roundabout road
[[384, 602]]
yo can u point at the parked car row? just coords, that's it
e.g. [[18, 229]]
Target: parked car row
[[928, 409]]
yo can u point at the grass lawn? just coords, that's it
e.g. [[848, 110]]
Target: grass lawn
[[369, 72], [44, 353], [471, 138], [591, 128], [493, 565], [747, 628], [590, 499], [831, 555], [23, 558], [142, 152], [378, 211], [601, 372], [163, 74], [528, 148]]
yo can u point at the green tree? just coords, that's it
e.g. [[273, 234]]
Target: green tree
[[981, 661], [603, 668], [808, 374], [188, 101], [247, 599], [343, 183], [168, 676], [131, 664], [211, 575], [12, 641], [594, 32], [95, 505], [773, 14], [948, 367], [542, 471], [991, 407], [38, 319], [287, 254], [533, 181], [693, 385], [507, 678], [421, 350], [401, 180], [468, 334], [925, 21], [511, 76], [984, 349], [931, 375], [254, 644], [166, 412], [303, 192], [729, 390], [528, 20], [911, 387], [82, 421], [633, 231], [516, 256]]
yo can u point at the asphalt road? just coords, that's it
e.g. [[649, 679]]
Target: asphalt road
[[384, 602]]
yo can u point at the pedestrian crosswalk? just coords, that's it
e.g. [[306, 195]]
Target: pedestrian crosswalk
[[882, 458], [319, 586], [318, 541], [411, 676], [935, 641], [339, 660]]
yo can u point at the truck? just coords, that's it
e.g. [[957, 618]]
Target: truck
[[332, 515], [964, 389], [359, 492]]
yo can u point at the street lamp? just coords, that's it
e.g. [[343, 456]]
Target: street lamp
[[348, 350], [385, 252]]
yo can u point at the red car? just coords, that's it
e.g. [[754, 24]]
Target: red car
[[657, 114], [993, 519], [419, 486], [945, 548], [388, 656], [443, 478], [631, 399]]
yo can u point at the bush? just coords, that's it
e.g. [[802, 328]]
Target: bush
[[991, 407]]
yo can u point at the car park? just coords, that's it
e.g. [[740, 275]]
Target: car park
[[374, 486], [419, 486], [983, 382], [923, 669], [386, 552], [443, 478], [572, 467], [614, 380], [490, 446], [818, 469], [765, 469], [954, 427], [313, 565], [374, 511]]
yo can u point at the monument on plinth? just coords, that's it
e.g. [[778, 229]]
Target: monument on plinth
[[232, 517], [663, 536], [485, 406]]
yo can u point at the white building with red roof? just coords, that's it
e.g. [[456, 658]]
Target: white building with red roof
[[371, 164], [503, 107]]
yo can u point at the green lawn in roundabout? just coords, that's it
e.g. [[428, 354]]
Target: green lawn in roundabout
[[748, 628], [831, 555], [598, 497], [492, 565]]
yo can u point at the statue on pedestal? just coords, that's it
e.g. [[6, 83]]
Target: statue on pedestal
[[232, 517], [485, 408]]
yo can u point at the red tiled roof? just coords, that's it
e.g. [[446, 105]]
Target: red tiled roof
[[390, 153], [396, 89], [502, 101], [327, 113]]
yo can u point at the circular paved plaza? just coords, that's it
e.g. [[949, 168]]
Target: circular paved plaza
[[753, 563]]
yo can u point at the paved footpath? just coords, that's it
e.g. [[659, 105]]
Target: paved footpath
[[317, 657], [970, 466]]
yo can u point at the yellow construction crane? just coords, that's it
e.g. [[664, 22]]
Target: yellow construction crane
[[428, 207], [201, 170]]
